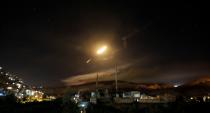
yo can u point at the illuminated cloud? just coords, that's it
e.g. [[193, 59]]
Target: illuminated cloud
[[144, 73]]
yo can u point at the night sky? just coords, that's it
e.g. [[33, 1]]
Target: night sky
[[47, 42]]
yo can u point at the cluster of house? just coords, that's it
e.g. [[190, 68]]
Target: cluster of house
[[11, 84], [123, 97]]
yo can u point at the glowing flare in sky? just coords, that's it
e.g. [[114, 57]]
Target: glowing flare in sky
[[101, 50]]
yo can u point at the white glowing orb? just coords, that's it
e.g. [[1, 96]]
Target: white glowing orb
[[101, 50]]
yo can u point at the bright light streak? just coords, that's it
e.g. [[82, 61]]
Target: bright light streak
[[88, 61], [101, 50], [177, 85]]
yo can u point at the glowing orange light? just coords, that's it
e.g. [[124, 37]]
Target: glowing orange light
[[101, 50]]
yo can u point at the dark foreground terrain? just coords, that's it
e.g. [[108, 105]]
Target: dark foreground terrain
[[8, 105]]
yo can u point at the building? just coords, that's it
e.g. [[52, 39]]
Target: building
[[12, 84]]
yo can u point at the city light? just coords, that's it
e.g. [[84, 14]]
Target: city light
[[176, 86], [1, 94], [18, 85], [9, 88]]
